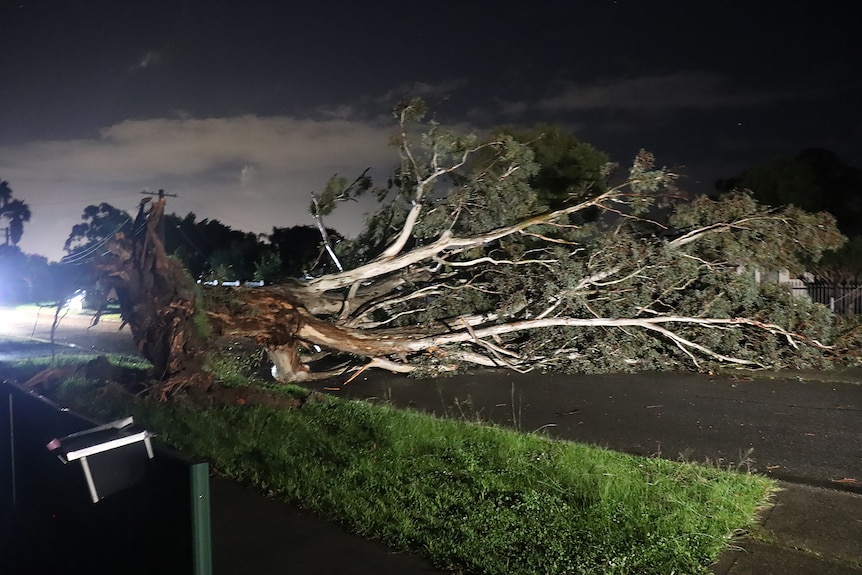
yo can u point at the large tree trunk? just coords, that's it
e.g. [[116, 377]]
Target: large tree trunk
[[156, 296]]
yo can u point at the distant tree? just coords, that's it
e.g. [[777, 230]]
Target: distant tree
[[14, 287], [15, 212], [207, 248], [843, 266], [183, 241], [568, 169], [269, 268], [301, 251], [28, 278], [236, 260], [210, 249], [814, 180], [99, 224]]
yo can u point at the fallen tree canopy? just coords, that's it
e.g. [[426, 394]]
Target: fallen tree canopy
[[465, 263]]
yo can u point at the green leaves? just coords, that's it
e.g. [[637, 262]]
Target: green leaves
[[99, 223], [524, 238], [338, 190], [567, 169], [734, 228]]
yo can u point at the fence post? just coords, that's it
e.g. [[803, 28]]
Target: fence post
[[201, 535], [12, 479]]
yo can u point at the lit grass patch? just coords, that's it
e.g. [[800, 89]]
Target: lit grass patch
[[18, 349], [470, 497], [119, 360]]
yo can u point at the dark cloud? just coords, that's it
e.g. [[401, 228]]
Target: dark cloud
[[681, 90]]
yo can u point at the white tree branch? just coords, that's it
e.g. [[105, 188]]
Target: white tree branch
[[446, 241]]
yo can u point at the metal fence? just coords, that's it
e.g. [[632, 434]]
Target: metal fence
[[841, 299]]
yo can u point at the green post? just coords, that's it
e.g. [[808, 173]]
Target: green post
[[202, 537]]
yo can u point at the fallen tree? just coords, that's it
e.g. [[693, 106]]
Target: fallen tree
[[465, 263]]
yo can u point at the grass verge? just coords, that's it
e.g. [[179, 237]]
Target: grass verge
[[25, 357], [470, 497]]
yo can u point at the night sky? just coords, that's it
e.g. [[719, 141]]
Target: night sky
[[244, 108]]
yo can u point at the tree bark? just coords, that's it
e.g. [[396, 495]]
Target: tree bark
[[157, 298]]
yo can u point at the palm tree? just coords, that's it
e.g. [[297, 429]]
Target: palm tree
[[5, 192], [16, 213]]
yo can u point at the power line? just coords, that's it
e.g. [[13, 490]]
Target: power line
[[86, 255]]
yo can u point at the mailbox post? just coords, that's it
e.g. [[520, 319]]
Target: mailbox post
[[113, 456]]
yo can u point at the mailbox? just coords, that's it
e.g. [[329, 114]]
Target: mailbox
[[113, 456]]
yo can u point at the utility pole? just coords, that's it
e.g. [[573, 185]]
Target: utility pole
[[161, 194]]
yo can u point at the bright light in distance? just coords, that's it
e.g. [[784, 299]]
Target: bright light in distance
[[13, 321], [76, 303]]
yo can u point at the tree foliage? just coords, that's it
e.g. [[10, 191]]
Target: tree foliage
[[99, 223], [16, 212], [29, 278], [210, 249], [813, 180], [567, 168], [300, 251]]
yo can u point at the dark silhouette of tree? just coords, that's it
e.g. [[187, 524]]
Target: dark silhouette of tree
[[814, 180], [29, 278], [300, 250], [568, 168], [99, 223], [15, 212], [210, 249]]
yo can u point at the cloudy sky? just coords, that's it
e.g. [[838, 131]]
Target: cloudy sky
[[242, 108]]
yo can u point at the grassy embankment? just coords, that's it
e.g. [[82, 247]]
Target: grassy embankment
[[468, 496]]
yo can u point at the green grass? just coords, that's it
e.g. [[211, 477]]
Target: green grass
[[20, 348], [470, 497], [77, 358], [237, 364]]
